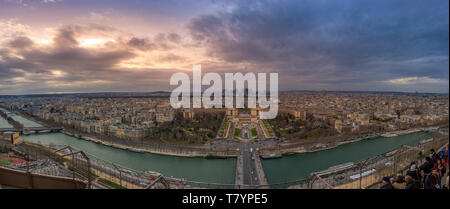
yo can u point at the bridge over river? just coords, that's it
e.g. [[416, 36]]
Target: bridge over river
[[29, 130], [29, 125], [249, 170]]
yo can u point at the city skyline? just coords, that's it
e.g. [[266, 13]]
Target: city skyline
[[167, 93], [65, 46]]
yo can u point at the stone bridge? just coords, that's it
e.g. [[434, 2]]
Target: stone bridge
[[29, 130]]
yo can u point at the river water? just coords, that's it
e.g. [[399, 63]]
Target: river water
[[192, 168], [25, 122], [4, 123], [299, 166], [287, 168]]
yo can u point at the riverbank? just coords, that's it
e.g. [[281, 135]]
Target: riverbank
[[204, 151], [183, 153], [180, 151], [190, 153], [32, 119], [315, 147], [295, 148]]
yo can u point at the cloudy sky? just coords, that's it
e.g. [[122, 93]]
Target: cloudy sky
[[56, 46]]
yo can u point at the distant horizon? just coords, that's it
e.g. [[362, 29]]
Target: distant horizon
[[281, 91]]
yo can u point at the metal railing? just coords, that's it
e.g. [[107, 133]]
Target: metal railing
[[98, 173], [370, 171]]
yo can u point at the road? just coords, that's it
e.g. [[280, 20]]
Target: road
[[250, 173], [249, 170]]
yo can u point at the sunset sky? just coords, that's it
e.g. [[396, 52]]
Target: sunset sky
[[64, 46]]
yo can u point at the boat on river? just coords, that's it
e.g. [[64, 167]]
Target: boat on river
[[388, 135], [271, 156], [135, 150], [372, 137]]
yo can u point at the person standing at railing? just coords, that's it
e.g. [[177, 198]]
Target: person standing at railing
[[446, 182], [426, 168], [433, 181], [400, 182], [386, 183], [414, 172], [445, 156], [440, 167], [433, 156], [411, 183]]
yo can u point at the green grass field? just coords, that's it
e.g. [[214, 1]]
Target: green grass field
[[111, 184], [254, 132], [237, 132]]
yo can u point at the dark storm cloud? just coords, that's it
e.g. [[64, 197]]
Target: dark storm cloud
[[65, 38], [66, 35], [20, 42], [170, 58], [161, 41], [173, 37], [319, 40], [141, 43], [64, 66], [82, 70], [78, 59], [9, 66]]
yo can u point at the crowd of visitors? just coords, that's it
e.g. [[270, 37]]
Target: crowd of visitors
[[432, 174]]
